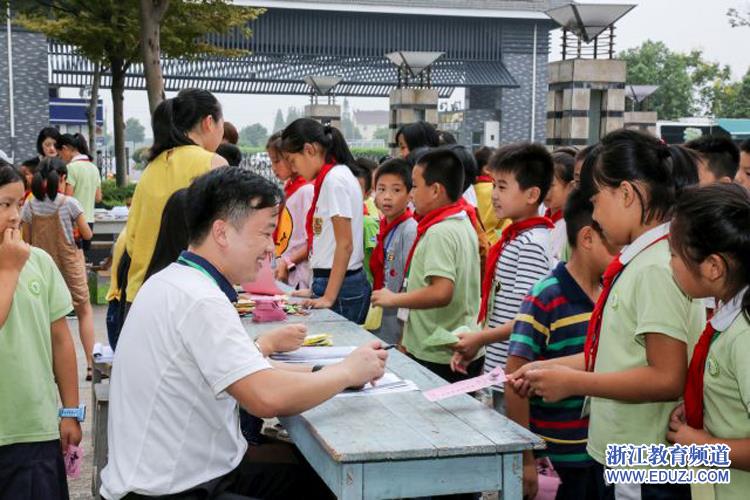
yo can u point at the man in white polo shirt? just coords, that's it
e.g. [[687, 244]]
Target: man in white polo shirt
[[184, 360]]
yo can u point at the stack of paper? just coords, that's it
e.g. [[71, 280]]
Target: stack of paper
[[389, 384], [315, 355]]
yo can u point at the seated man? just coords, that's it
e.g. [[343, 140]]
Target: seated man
[[184, 362]]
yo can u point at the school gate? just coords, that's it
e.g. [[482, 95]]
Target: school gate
[[496, 49]]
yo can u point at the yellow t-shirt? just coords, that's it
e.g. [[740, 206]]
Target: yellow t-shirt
[[119, 248], [172, 170], [492, 226]]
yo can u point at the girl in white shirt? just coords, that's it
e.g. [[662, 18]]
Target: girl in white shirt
[[335, 221]]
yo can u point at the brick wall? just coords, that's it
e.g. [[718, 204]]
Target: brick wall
[[31, 91]]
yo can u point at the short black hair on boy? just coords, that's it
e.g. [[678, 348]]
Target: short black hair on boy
[[231, 153], [444, 167], [364, 167], [745, 146], [530, 163], [227, 193], [721, 154], [482, 156], [578, 213], [398, 167]]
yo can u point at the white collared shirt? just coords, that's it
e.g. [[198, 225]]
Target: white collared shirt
[[643, 242], [728, 312]]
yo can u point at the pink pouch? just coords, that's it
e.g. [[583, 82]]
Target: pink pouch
[[265, 282], [549, 481], [73, 458], [268, 310]]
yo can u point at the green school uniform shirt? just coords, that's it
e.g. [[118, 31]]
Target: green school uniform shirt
[[28, 412], [85, 179], [448, 250], [644, 299], [726, 397], [370, 230]]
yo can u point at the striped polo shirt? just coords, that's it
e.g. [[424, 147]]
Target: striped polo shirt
[[525, 260], [552, 323]]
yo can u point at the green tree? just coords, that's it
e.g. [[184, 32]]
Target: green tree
[[134, 131], [253, 135], [383, 133], [278, 123], [108, 32], [292, 114]]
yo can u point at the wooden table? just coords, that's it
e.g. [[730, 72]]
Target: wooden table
[[402, 445]]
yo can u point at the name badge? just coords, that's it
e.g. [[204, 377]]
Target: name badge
[[403, 314]]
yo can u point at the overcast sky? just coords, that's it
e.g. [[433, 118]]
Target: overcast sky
[[682, 24]]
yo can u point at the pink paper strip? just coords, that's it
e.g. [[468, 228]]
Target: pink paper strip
[[73, 459], [496, 376]]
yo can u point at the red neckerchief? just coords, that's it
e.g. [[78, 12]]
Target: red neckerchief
[[483, 178], [291, 186], [694, 382], [428, 220], [471, 211], [614, 269], [509, 234], [311, 213], [377, 259], [554, 217]]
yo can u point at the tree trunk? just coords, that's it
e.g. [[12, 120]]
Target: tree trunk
[[91, 114], [151, 14], [118, 68]]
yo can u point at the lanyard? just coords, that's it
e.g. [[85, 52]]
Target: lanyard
[[200, 268]]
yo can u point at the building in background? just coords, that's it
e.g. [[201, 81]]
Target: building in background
[[368, 122]]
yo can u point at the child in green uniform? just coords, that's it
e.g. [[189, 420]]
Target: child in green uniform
[[711, 258], [643, 327], [37, 360]]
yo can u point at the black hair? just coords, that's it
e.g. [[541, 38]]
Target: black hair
[[227, 193], [46, 179], [307, 131], [722, 156], [467, 160], [174, 118], [173, 233], [564, 166], [418, 135], [76, 141], [482, 157], [274, 142], [31, 163], [384, 159], [684, 168], [530, 164], [398, 167], [364, 170], [584, 152], [714, 220], [46, 133], [586, 180], [444, 167], [415, 154], [445, 137], [745, 146], [62, 170], [230, 153], [639, 158], [572, 151], [578, 213], [9, 174], [230, 134]]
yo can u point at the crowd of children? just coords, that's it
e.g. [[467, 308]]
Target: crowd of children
[[586, 275]]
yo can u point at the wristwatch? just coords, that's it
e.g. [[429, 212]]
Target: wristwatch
[[76, 413], [289, 264]]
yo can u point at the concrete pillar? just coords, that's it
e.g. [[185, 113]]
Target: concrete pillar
[[327, 114], [641, 120], [586, 100], [409, 106]]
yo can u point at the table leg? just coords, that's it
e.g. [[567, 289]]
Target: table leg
[[512, 477], [352, 482]]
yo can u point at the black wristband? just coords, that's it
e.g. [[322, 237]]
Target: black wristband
[[317, 368]]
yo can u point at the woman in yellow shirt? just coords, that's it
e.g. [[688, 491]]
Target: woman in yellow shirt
[[187, 130]]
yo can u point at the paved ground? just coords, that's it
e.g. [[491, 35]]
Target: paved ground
[[81, 488]]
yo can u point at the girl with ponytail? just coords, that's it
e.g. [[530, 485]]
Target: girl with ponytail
[[334, 225], [711, 258], [187, 130], [51, 221], [636, 355]]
